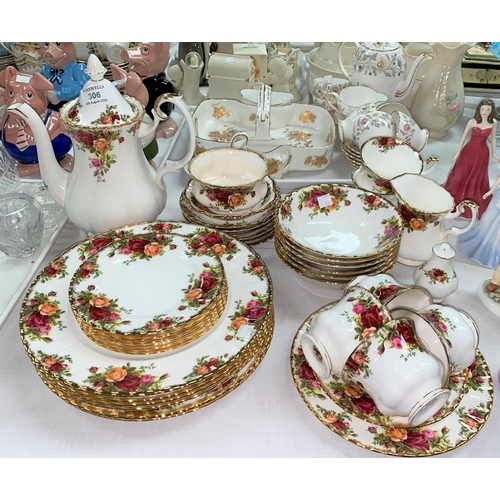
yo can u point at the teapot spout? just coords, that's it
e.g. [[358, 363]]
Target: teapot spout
[[405, 87], [52, 173]]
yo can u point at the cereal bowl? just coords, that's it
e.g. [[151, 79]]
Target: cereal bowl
[[339, 221]]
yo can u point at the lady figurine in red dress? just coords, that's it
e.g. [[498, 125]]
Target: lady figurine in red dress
[[468, 180]]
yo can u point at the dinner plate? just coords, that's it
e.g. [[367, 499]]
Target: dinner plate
[[441, 434], [55, 343]]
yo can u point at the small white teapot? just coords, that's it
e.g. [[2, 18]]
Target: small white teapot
[[382, 66]]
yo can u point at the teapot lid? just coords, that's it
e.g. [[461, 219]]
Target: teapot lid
[[100, 102], [382, 46]]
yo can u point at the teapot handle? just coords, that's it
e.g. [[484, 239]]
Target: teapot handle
[[434, 161], [459, 210], [339, 59], [173, 166]]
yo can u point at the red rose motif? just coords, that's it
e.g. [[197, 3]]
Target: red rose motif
[[213, 239], [83, 272], [383, 141], [364, 405], [406, 332], [51, 271], [56, 367], [306, 372], [221, 195], [99, 313], [387, 291], [212, 363], [36, 319], [417, 441], [84, 138], [339, 425], [406, 213], [207, 284], [137, 244], [99, 243], [129, 383], [370, 199], [315, 194], [371, 317], [352, 365], [254, 313]]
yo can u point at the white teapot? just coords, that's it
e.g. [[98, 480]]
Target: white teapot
[[382, 66], [112, 183]]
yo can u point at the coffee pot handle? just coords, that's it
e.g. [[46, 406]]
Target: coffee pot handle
[[239, 136], [340, 61], [173, 166], [459, 210], [433, 161]]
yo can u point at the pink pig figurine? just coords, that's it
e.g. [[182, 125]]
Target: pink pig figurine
[[16, 134], [62, 70]]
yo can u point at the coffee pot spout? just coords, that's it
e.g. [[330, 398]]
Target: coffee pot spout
[[405, 87], [52, 173]]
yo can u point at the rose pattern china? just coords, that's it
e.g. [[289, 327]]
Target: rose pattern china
[[353, 416], [46, 320]]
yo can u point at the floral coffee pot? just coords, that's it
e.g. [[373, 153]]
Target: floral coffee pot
[[424, 206], [112, 183], [382, 66]]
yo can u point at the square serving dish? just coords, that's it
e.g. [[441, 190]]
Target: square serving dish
[[308, 129]]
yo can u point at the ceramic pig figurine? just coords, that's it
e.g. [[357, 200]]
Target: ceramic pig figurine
[[149, 60], [15, 133], [63, 71]]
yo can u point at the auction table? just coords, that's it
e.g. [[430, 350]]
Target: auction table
[[265, 416]]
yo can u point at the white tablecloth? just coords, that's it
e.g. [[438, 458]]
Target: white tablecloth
[[265, 416]]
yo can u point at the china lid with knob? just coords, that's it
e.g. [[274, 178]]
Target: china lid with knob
[[100, 102]]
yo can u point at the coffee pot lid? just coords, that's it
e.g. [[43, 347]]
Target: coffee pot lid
[[100, 102]]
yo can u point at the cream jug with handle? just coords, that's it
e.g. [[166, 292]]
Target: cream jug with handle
[[112, 183], [382, 66]]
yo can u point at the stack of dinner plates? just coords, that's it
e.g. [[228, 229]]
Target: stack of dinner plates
[[109, 338], [331, 233], [252, 226]]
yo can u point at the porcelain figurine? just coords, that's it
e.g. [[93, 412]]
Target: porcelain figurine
[[62, 70], [109, 162], [186, 78], [482, 242], [149, 60], [468, 178], [16, 134], [279, 75]]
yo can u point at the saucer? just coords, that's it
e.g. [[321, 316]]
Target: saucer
[[440, 434]]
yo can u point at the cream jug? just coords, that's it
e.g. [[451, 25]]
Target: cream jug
[[112, 183]]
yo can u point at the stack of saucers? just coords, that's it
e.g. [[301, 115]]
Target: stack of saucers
[[331, 233], [352, 154], [251, 225], [120, 373]]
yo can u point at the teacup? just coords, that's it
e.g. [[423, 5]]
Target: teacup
[[388, 157], [228, 179], [404, 380], [458, 332], [351, 98], [326, 84], [408, 130], [366, 123], [339, 327], [393, 294]]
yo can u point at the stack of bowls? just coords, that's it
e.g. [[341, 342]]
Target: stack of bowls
[[80, 320], [231, 191], [331, 233]]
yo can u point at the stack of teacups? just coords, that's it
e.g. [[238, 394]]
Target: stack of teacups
[[231, 191], [399, 357], [331, 233]]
